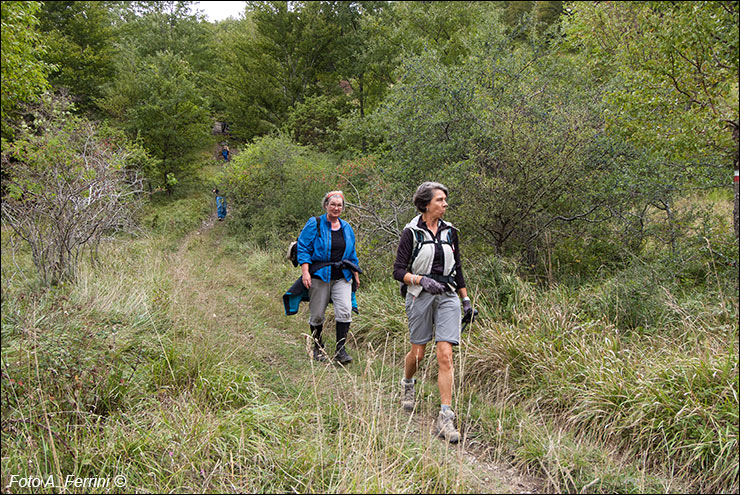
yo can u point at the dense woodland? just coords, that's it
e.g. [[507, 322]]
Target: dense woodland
[[589, 149], [572, 134]]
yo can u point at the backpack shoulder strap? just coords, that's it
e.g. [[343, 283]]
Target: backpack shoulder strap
[[449, 237], [418, 243]]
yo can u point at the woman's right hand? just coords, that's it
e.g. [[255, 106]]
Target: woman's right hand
[[305, 276], [432, 286]]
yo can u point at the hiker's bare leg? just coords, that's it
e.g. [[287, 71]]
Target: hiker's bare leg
[[446, 372], [413, 358]]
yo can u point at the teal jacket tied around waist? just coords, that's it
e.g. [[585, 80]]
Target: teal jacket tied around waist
[[298, 293]]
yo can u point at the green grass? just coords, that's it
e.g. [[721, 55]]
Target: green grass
[[593, 405], [170, 361], [177, 369]]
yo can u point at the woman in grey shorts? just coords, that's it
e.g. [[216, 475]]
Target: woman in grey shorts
[[428, 264], [325, 249]]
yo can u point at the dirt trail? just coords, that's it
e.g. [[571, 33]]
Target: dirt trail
[[244, 311]]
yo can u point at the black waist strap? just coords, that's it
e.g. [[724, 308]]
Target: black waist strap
[[318, 265], [443, 279]]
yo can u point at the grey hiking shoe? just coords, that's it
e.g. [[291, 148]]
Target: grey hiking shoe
[[444, 426], [407, 396]]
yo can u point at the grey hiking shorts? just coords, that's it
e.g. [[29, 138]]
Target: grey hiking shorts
[[435, 316], [340, 293]]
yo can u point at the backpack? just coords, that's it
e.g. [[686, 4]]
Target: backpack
[[292, 254], [420, 241]]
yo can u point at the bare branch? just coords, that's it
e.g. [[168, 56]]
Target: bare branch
[[64, 201]]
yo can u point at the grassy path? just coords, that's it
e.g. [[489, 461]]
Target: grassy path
[[171, 363], [329, 428]]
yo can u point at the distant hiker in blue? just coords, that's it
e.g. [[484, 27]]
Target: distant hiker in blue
[[225, 153], [329, 269], [220, 205]]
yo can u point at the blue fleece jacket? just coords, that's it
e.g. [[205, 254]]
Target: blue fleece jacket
[[313, 247]]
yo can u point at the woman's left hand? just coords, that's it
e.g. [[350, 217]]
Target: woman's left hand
[[467, 307], [357, 280]]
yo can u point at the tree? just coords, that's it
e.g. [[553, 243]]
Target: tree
[[69, 184], [510, 129], [281, 55], [24, 74], [151, 27], [248, 92], [160, 103], [314, 122], [520, 16], [672, 68], [80, 39], [439, 26], [367, 53]]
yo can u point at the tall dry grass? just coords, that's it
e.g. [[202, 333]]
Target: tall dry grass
[[651, 395], [147, 367]]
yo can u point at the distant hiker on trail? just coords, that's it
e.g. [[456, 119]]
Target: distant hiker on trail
[[225, 153], [220, 205], [329, 267], [428, 264]]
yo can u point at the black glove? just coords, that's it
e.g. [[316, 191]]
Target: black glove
[[467, 307], [469, 313], [432, 286]]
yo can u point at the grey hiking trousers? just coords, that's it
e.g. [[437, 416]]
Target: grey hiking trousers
[[340, 293]]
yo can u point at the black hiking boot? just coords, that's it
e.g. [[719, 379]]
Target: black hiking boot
[[341, 355], [318, 353], [318, 344]]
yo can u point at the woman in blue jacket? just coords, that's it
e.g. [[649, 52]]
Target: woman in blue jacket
[[326, 248]]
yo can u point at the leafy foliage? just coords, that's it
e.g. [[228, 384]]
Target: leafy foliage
[[160, 103], [80, 44], [673, 78], [676, 70], [24, 74], [69, 185], [275, 186], [584, 153], [315, 121], [511, 123]]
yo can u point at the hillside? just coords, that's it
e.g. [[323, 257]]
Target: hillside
[[196, 381], [171, 363], [587, 153]]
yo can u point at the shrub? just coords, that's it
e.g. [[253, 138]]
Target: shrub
[[314, 121], [631, 299], [66, 186], [499, 292], [276, 185]]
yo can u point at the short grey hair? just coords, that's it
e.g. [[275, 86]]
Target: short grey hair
[[425, 192], [332, 194]]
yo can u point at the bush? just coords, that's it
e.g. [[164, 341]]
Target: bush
[[315, 121], [67, 185], [498, 293], [275, 186], [630, 300], [81, 361]]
